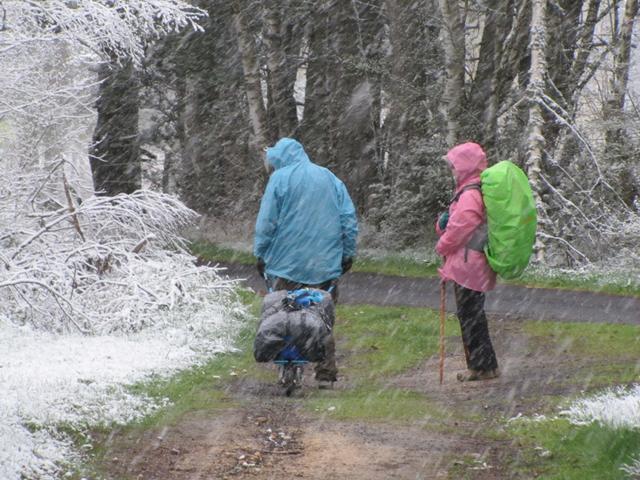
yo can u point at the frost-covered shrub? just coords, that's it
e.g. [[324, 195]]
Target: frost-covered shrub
[[122, 29], [108, 264]]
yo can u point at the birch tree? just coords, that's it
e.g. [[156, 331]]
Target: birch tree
[[615, 144], [453, 40], [536, 141], [253, 88], [283, 37], [218, 175]]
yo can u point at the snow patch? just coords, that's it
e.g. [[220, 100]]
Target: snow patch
[[80, 381], [632, 469], [615, 408]]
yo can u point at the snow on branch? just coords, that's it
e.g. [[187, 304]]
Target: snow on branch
[[111, 27], [128, 270]]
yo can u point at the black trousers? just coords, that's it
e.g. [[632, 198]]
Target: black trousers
[[327, 369], [475, 329]]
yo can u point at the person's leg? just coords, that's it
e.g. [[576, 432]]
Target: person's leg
[[475, 330], [327, 370]]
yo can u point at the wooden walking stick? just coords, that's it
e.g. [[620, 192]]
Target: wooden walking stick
[[443, 296]]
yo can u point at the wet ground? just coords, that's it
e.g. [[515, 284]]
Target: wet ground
[[266, 435]]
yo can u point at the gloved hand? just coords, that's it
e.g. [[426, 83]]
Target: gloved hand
[[347, 263], [260, 265], [443, 219]]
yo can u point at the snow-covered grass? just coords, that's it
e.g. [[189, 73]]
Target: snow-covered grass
[[75, 382], [632, 469], [95, 297], [617, 408], [613, 410]]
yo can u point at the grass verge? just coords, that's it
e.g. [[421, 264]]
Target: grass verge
[[605, 355], [598, 344], [559, 450], [404, 266]]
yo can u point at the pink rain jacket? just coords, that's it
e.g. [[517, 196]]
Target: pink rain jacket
[[465, 215]]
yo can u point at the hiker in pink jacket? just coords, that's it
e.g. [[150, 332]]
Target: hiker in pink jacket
[[462, 232]]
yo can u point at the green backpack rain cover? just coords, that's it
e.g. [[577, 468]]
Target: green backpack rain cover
[[511, 218]]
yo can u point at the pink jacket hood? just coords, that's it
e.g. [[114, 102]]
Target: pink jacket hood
[[468, 161], [466, 267]]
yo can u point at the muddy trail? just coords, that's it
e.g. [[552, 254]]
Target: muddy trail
[[266, 435], [262, 434]]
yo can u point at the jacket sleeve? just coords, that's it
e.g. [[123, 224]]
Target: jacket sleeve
[[466, 216], [267, 221], [348, 221]]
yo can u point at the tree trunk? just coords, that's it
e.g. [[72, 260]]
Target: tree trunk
[[115, 153], [340, 123], [482, 122], [616, 148], [250, 67], [536, 140], [567, 143], [282, 62], [453, 35], [219, 174]]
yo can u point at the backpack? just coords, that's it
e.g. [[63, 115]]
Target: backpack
[[511, 219]]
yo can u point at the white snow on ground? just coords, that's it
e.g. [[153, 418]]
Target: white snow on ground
[[48, 380], [614, 408], [632, 469]]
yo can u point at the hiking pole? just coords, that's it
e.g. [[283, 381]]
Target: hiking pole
[[443, 296]]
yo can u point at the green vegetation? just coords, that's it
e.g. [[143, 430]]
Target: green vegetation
[[556, 449], [589, 339], [610, 350], [381, 342], [389, 340], [611, 284], [388, 265], [215, 253], [405, 266], [374, 403], [398, 265]]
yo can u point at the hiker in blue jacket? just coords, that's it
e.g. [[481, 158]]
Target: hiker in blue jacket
[[306, 229]]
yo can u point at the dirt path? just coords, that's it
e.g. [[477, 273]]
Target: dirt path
[[265, 435], [269, 436]]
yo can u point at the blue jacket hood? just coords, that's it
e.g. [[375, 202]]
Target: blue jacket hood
[[285, 152]]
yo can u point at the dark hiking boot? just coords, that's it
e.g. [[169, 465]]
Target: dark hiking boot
[[472, 375], [325, 384], [326, 379]]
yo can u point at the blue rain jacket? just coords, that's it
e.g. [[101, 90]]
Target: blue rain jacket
[[307, 222]]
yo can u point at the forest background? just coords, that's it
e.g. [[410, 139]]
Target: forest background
[[375, 90], [115, 114]]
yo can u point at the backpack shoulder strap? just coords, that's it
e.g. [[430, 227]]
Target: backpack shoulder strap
[[471, 186]]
